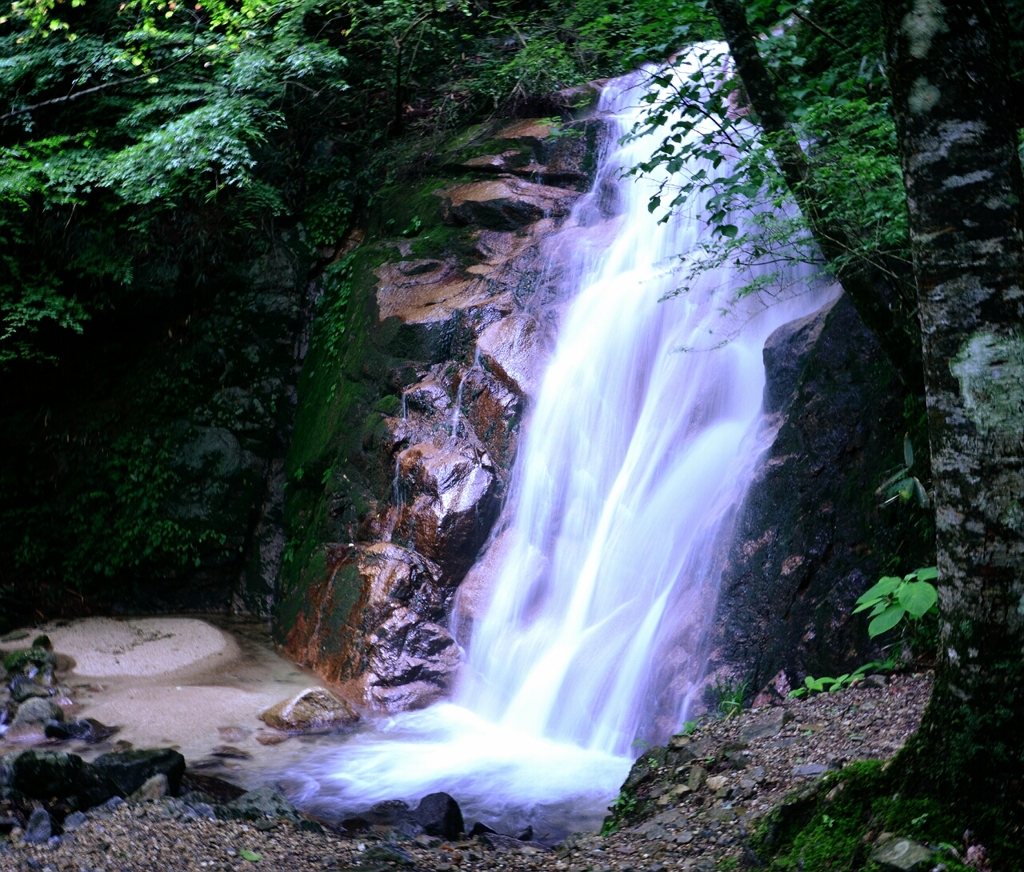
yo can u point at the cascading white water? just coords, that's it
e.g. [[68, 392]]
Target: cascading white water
[[635, 458]]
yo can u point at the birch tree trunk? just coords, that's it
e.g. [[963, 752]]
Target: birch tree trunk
[[948, 71]]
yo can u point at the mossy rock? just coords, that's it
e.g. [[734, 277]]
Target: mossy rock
[[833, 823], [24, 659]]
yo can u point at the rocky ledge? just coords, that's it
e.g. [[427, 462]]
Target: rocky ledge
[[690, 805]]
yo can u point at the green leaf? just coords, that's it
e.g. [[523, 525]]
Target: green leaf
[[729, 230], [908, 451], [921, 493], [251, 856], [917, 597], [886, 586], [929, 573], [886, 621]]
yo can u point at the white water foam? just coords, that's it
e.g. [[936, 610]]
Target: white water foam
[[634, 461]]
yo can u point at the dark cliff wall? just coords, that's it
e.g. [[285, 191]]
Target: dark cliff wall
[[145, 473], [812, 535]]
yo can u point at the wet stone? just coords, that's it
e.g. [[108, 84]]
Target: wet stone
[[809, 770], [39, 827]]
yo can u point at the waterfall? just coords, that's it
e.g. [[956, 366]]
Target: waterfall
[[635, 458]]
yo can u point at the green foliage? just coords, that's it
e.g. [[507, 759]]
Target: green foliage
[[894, 599], [902, 485], [624, 807], [832, 824], [333, 305], [838, 112], [831, 685], [729, 696]]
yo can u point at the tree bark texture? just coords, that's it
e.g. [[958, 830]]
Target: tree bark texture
[[948, 66], [865, 285]]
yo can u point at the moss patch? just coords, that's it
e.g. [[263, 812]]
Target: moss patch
[[834, 823]]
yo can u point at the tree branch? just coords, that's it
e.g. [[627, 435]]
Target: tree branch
[[74, 96], [864, 284]]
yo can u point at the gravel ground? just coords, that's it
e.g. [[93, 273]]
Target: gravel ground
[[740, 777]]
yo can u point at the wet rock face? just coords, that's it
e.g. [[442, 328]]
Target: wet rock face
[[505, 204], [811, 535], [454, 505], [407, 432]]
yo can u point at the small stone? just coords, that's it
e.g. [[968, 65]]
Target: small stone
[[765, 725], [721, 815], [230, 752], [108, 808], [152, 789], [901, 855], [685, 837], [809, 770], [716, 782], [390, 854], [261, 803], [75, 820], [696, 778], [39, 827]]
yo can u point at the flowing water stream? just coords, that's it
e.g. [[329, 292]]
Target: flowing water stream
[[635, 459]]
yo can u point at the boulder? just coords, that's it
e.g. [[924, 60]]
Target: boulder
[[313, 710], [765, 725], [127, 771], [32, 717], [46, 774], [439, 815], [410, 663], [23, 688]]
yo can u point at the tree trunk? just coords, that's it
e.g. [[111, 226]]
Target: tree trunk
[[948, 67], [865, 285]]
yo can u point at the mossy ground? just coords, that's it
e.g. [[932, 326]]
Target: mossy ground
[[833, 825]]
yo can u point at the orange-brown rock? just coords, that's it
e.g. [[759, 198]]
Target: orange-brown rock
[[505, 203], [453, 503], [312, 710]]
